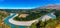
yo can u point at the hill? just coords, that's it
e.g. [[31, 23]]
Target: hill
[[50, 6]]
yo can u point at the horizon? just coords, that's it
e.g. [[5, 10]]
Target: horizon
[[25, 4]]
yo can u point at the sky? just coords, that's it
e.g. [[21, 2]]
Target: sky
[[25, 4]]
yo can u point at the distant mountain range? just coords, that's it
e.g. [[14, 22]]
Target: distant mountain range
[[51, 6]]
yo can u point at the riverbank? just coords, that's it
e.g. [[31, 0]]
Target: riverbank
[[22, 23], [28, 23]]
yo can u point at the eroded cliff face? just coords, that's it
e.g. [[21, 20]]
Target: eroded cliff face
[[51, 6]]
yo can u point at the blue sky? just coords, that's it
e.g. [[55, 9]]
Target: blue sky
[[25, 4]]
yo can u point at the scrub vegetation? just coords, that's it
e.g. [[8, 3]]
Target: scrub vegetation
[[32, 14]]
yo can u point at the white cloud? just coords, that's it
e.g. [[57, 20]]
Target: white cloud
[[15, 8]]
